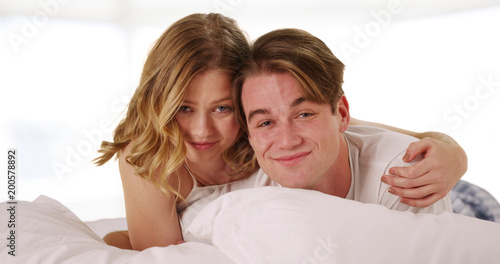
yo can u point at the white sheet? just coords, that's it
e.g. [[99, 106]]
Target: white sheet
[[266, 225], [105, 225]]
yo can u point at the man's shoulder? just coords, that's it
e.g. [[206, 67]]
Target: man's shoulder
[[374, 134], [377, 143]]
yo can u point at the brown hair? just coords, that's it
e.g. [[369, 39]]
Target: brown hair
[[308, 59], [190, 46]]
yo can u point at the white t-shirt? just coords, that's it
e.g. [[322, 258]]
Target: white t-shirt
[[372, 151]]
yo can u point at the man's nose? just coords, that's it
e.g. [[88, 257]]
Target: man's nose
[[288, 136]]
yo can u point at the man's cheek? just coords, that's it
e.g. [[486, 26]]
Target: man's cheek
[[258, 141]]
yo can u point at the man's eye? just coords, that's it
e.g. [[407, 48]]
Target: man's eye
[[264, 124], [305, 115]]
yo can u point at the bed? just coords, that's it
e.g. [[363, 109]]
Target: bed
[[261, 225]]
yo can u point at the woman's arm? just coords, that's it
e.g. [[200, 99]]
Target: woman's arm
[[118, 239], [430, 179], [151, 215]]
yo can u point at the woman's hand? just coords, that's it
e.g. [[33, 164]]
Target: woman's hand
[[432, 178]]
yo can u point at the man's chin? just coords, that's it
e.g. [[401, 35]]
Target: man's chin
[[293, 185]]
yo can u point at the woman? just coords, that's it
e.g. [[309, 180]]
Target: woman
[[180, 122], [180, 133]]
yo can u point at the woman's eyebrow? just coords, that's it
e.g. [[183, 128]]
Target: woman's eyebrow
[[223, 99], [215, 101]]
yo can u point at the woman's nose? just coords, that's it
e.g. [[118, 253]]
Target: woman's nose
[[202, 126]]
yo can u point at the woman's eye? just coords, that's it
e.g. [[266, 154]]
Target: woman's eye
[[223, 108], [184, 109]]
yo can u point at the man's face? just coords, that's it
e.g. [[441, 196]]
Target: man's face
[[297, 142]]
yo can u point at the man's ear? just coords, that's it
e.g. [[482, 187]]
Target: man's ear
[[343, 112]]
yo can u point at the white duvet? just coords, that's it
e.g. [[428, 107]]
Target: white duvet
[[265, 225]]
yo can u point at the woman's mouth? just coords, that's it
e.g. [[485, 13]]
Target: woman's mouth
[[201, 146]]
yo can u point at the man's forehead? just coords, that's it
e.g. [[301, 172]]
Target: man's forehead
[[269, 83]]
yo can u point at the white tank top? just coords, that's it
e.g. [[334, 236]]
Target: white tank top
[[199, 197]]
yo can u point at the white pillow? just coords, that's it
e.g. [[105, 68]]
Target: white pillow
[[48, 232], [281, 225]]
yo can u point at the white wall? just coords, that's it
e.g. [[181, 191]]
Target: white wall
[[68, 69]]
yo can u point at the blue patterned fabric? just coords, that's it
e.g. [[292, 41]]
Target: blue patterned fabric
[[471, 200]]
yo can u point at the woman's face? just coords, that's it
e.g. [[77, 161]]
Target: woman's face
[[206, 117]]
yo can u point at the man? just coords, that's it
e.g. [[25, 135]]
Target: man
[[297, 119]]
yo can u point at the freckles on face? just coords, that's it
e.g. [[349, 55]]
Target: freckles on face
[[274, 107], [260, 142], [258, 97], [206, 117], [295, 140]]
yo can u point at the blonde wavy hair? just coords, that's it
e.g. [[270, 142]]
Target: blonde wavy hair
[[190, 46]]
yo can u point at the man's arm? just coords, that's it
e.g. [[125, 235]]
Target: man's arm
[[430, 179]]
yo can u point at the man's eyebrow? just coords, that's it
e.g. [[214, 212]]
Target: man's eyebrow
[[297, 102], [256, 112]]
